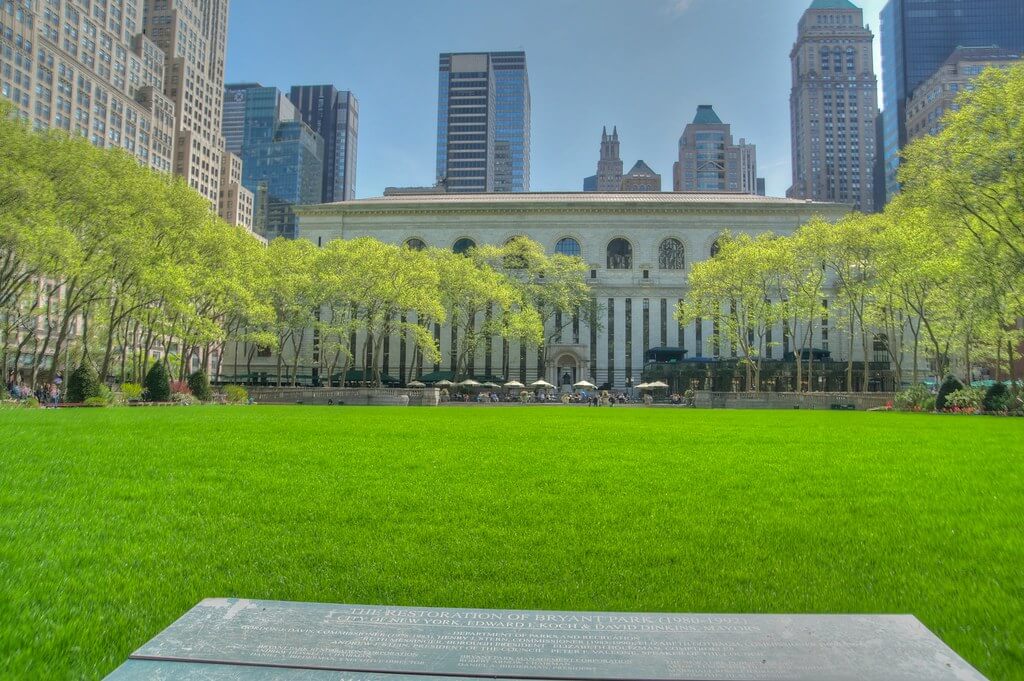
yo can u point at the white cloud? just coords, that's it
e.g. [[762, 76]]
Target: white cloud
[[678, 7]]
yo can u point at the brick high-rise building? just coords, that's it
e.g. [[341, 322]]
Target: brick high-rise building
[[709, 161], [85, 69], [833, 106], [609, 165], [193, 36], [937, 95]]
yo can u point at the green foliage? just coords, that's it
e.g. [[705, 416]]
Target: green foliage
[[132, 391], [966, 399], [998, 398], [106, 394], [915, 398], [97, 402], [948, 387], [158, 387], [236, 394], [30, 403], [83, 383], [199, 385]]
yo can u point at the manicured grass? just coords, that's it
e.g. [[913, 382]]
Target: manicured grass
[[115, 522]]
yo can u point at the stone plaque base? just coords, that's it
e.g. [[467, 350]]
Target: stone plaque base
[[231, 639]]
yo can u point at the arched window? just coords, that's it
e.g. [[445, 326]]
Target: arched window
[[463, 245], [569, 246], [715, 248], [671, 255], [415, 244], [620, 255]]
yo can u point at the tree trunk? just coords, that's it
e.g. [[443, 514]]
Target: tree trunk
[[849, 360], [111, 324]]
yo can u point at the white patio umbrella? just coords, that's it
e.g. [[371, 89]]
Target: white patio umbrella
[[585, 385], [491, 385], [514, 384], [643, 386], [541, 384], [417, 384], [468, 383], [444, 384], [657, 384]]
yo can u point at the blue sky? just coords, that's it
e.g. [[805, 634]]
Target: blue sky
[[643, 65]]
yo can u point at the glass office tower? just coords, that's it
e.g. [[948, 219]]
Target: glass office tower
[[334, 115], [917, 37], [483, 122], [282, 159]]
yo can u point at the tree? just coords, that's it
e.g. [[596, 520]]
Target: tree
[[553, 285], [735, 289], [482, 303], [158, 386], [290, 289]]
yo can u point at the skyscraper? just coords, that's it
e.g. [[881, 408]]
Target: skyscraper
[[193, 36], [334, 115], [917, 38], [483, 122], [833, 106], [709, 161], [282, 158], [609, 165], [88, 72]]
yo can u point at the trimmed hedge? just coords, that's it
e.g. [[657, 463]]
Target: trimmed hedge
[[998, 399], [199, 386], [949, 386], [84, 383], [158, 386]]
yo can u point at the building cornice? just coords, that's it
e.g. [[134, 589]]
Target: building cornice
[[382, 209]]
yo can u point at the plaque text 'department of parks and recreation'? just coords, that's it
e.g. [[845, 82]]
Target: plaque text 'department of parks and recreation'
[[232, 639]]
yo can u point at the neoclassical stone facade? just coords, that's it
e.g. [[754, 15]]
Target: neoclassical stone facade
[[639, 248]]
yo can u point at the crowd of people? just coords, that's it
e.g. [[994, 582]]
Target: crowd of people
[[46, 393], [603, 398]]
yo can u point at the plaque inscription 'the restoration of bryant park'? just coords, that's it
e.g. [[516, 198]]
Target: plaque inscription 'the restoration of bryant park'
[[232, 639]]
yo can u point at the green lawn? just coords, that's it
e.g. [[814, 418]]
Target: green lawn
[[115, 522]]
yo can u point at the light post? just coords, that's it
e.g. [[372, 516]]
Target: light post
[[629, 386]]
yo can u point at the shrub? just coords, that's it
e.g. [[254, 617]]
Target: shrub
[[183, 399], [199, 385], [236, 394], [4, 395], [96, 402], [949, 386], [30, 403], [916, 398], [966, 400], [180, 387], [83, 383], [106, 393], [158, 388], [132, 391], [998, 399]]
